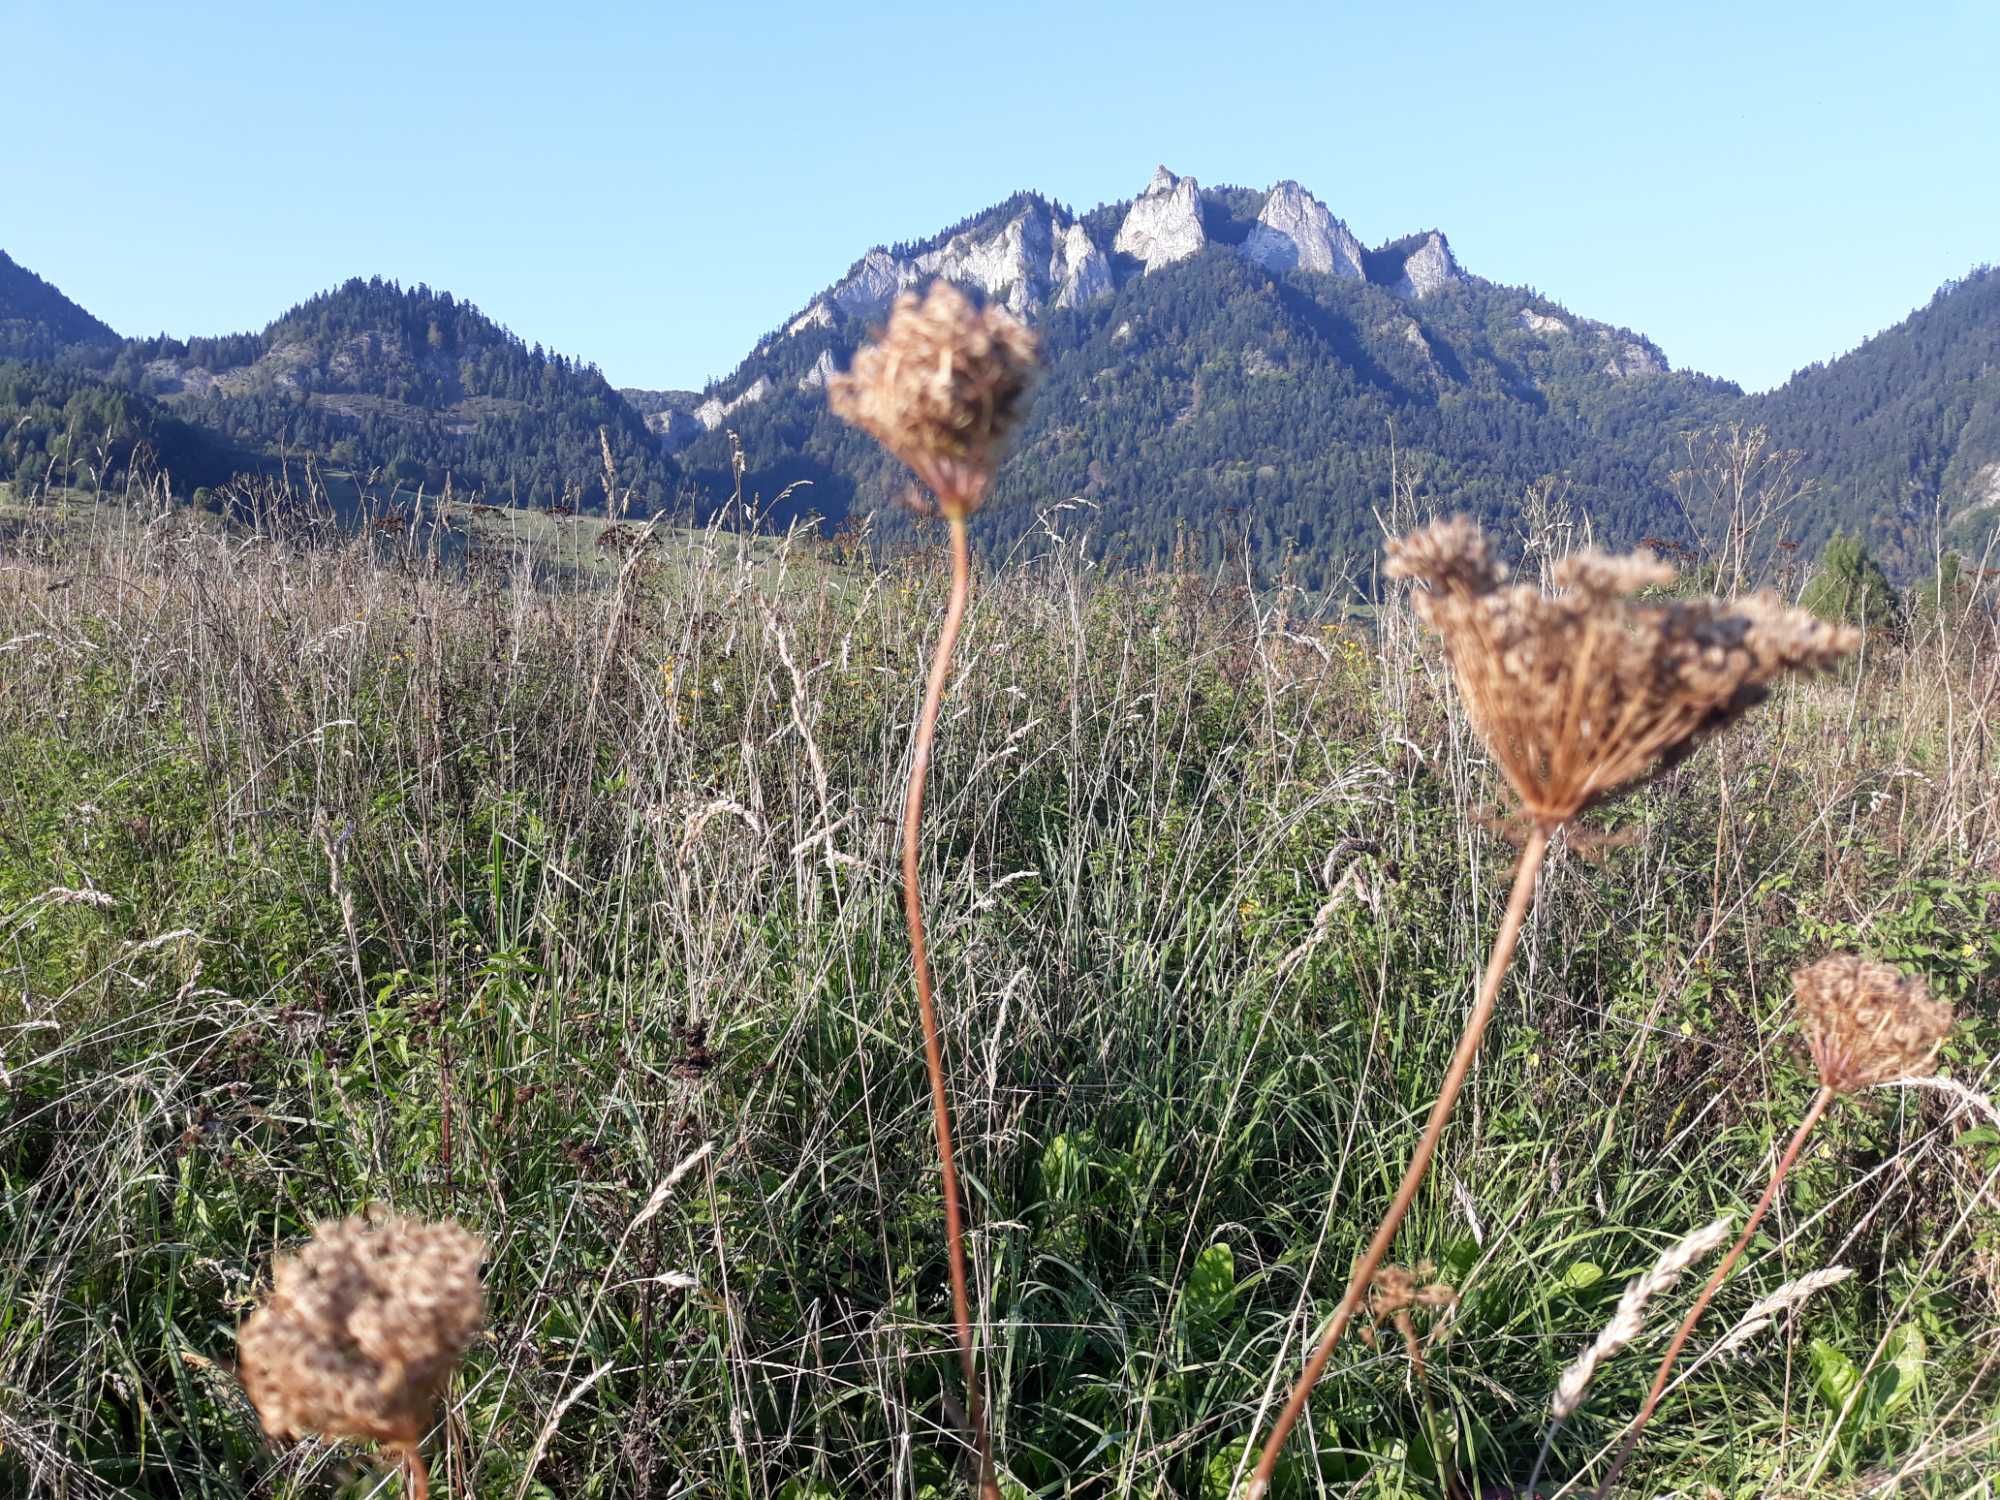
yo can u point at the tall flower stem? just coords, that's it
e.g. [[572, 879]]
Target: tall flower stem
[[1523, 895], [1817, 1108], [913, 912]]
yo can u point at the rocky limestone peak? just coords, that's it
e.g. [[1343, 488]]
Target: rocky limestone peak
[[1038, 256], [1295, 232], [870, 287], [1428, 267], [1078, 269], [1163, 224], [1011, 266]]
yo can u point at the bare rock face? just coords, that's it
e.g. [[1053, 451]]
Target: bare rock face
[[1295, 232], [1081, 271], [1630, 359], [1011, 267], [818, 375], [1428, 268], [1163, 224], [713, 412], [871, 287], [1545, 324], [1036, 258], [819, 315]]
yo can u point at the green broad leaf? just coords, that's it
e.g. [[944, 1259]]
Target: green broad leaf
[[1220, 1471], [1581, 1275], [1896, 1379], [1835, 1376], [1211, 1288]]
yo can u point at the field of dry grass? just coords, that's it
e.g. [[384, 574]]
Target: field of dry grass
[[340, 871]]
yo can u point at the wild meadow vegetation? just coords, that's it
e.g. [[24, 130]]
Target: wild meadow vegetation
[[563, 901]]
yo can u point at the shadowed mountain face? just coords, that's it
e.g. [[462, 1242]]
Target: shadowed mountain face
[[37, 322], [1227, 370]]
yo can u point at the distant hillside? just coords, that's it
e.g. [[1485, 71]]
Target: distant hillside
[[1227, 370], [37, 322], [63, 425], [1234, 366], [1905, 427], [416, 382]]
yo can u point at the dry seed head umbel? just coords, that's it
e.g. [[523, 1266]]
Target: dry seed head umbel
[[362, 1329], [941, 389], [1584, 692], [1867, 1022]]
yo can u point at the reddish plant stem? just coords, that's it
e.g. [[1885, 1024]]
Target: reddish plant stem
[[1525, 871], [1817, 1108], [913, 911]]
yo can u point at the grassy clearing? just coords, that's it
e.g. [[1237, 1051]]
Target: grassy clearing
[[329, 877]]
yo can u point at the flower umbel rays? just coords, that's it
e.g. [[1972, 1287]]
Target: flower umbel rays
[[1585, 692], [942, 389], [1868, 1023], [362, 1330]]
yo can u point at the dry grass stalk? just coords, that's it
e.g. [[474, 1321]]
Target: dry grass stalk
[[1766, 1311], [942, 389], [1628, 1321], [361, 1333], [1576, 696], [1866, 1023]]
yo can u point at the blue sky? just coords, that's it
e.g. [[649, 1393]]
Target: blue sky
[[1755, 186]]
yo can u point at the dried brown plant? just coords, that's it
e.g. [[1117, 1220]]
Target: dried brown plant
[[1581, 693], [941, 389], [1866, 1023], [1576, 695], [1395, 1295], [361, 1332]]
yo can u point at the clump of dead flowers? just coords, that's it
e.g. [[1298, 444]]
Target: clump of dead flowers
[[361, 1332]]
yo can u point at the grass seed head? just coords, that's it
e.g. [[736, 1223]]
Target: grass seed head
[[1584, 692], [362, 1329], [1868, 1022], [942, 389]]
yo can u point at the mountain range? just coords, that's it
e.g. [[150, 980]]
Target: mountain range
[[1225, 368]]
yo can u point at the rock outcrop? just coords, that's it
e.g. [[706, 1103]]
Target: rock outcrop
[[1163, 224], [1427, 267], [713, 412], [1295, 232], [1038, 258], [1081, 270]]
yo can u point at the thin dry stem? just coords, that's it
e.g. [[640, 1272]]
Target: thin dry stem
[[1525, 873], [1818, 1107], [913, 912]]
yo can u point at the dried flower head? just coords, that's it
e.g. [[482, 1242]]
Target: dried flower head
[[1585, 692], [362, 1329], [941, 389], [1395, 1290], [1867, 1022]]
